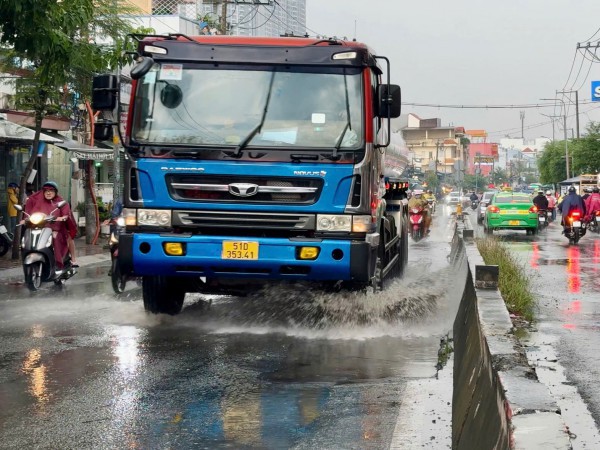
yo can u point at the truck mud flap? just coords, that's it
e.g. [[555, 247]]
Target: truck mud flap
[[126, 253], [359, 253]]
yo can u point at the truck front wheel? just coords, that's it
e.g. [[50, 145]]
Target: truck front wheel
[[162, 295]]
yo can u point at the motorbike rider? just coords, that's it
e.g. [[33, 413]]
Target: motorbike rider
[[540, 201], [592, 203], [571, 202], [551, 203], [474, 197], [63, 229], [418, 201], [429, 195]]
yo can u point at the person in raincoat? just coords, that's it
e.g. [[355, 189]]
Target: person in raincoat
[[64, 228], [13, 199]]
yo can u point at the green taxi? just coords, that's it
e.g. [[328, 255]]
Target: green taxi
[[511, 210]]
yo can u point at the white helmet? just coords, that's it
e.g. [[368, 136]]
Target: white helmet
[[548, 192], [418, 192]]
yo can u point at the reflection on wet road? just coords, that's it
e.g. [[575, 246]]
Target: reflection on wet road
[[289, 367]]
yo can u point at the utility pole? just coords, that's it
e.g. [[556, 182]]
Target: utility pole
[[576, 108], [522, 114], [223, 25]]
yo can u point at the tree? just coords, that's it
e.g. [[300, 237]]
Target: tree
[[54, 41], [551, 164], [586, 151]]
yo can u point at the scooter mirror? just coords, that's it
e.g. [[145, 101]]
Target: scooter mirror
[[61, 203], [18, 207]]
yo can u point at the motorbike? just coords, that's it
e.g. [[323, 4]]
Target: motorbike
[[574, 227], [594, 223], [6, 239], [117, 279], [474, 204], [543, 218], [38, 252], [417, 223]]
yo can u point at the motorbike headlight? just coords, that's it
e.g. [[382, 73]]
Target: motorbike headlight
[[121, 221], [154, 217], [37, 218]]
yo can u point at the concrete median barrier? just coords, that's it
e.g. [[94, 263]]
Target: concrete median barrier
[[498, 403]]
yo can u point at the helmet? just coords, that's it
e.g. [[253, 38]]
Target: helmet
[[595, 189], [50, 185], [13, 185], [430, 191], [541, 193], [548, 192], [587, 189], [571, 189], [417, 192]]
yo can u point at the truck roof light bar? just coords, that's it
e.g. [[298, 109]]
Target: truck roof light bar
[[154, 49], [345, 55]]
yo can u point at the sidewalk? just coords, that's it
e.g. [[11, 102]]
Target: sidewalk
[[87, 254]]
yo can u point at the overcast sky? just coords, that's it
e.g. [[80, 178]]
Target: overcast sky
[[478, 52]]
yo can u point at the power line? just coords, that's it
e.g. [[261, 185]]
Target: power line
[[531, 105], [294, 18]]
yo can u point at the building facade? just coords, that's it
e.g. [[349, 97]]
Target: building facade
[[433, 147]]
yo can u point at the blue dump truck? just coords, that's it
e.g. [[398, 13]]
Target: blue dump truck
[[259, 159]]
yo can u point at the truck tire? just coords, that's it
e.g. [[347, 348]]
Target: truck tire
[[162, 295]]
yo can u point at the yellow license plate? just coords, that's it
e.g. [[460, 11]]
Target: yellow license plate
[[513, 222], [239, 250]]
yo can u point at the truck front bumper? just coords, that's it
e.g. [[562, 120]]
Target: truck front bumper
[[143, 254]]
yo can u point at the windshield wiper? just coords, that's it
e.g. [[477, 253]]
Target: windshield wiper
[[348, 126], [297, 157], [247, 139]]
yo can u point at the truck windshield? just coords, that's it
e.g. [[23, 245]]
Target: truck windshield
[[200, 106]]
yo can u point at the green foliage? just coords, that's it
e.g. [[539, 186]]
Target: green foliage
[[56, 42], [551, 164], [584, 156], [513, 284], [472, 182], [586, 151], [431, 179], [499, 176]]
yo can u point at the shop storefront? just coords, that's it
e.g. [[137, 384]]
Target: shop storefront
[[15, 151]]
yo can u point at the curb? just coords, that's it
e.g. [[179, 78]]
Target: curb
[[534, 417]]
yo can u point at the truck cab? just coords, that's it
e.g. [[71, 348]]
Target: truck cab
[[257, 159]]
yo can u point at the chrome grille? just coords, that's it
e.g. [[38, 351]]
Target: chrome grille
[[244, 220], [230, 189]]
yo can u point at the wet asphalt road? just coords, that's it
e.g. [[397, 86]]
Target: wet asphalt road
[[564, 341], [287, 368]]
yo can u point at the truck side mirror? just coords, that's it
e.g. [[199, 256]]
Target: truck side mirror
[[103, 131], [388, 100], [141, 68], [104, 92]]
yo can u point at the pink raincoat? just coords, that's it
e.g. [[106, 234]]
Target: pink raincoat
[[62, 230]]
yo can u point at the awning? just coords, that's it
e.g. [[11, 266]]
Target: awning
[[10, 131], [83, 151]]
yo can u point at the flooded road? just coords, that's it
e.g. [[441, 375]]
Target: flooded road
[[564, 340], [290, 367]]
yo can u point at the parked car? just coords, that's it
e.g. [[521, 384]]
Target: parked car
[[511, 210], [483, 204]]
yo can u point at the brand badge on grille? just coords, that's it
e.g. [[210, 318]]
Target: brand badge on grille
[[243, 189]]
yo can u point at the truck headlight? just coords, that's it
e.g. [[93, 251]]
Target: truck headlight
[[154, 217], [130, 216], [334, 222]]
